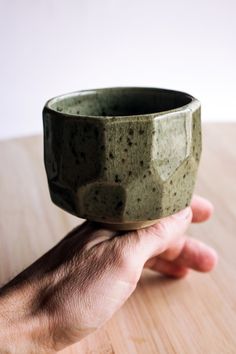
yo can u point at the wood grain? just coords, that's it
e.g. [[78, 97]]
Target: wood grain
[[194, 315]]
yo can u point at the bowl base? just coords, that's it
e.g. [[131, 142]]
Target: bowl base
[[129, 225]]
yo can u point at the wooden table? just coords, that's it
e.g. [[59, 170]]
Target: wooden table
[[194, 315]]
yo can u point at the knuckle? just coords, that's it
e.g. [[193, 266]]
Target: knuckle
[[162, 228], [121, 255]]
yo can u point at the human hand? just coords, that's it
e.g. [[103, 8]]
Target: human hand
[[78, 285]]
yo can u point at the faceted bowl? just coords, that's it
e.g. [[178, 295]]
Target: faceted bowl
[[124, 156]]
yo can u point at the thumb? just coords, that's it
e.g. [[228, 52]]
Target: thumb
[[155, 239]]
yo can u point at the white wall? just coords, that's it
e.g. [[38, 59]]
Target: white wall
[[49, 47]]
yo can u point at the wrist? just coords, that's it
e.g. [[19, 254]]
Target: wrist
[[23, 330], [36, 308]]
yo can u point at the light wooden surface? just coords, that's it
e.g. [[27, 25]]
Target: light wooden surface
[[194, 315]]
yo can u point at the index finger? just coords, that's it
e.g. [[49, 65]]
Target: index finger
[[202, 209]]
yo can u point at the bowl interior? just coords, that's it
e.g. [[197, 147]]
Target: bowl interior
[[126, 101]]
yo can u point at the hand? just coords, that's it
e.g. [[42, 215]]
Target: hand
[[79, 284]]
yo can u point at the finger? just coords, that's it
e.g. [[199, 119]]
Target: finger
[[155, 239], [202, 209], [166, 267], [196, 255], [174, 250]]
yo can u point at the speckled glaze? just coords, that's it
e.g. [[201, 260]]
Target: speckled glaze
[[122, 156]]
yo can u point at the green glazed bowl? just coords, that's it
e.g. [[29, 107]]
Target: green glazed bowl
[[123, 156]]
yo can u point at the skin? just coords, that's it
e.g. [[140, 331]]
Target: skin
[[80, 283]]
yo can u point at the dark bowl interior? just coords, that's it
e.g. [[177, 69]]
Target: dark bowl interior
[[124, 101]]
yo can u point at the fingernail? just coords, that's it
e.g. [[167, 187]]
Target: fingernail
[[183, 214]]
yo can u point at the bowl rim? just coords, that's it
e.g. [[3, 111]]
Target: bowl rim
[[192, 105]]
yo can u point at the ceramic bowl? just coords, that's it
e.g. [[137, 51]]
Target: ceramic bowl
[[124, 157]]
